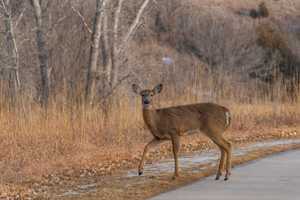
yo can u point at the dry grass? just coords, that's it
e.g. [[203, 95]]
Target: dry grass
[[34, 143], [71, 135]]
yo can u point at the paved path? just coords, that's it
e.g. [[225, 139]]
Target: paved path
[[274, 178]]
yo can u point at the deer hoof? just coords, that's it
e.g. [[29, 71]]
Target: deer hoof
[[175, 177], [218, 176], [227, 176]]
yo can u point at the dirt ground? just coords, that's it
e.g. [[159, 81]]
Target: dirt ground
[[197, 160]]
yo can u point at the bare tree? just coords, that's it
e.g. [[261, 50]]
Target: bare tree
[[116, 45], [42, 51], [113, 71], [120, 44], [113, 46], [12, 50], [92, 72]]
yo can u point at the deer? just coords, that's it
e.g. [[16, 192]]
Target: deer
[[171, 123]]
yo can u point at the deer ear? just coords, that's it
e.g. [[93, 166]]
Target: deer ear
[[136, 89], [157, 89]]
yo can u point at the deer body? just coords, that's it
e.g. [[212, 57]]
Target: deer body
[[185, 119], [172, 122]]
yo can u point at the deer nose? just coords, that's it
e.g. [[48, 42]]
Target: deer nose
[[146, 101]]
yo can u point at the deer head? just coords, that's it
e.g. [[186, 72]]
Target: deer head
[[147, 94]]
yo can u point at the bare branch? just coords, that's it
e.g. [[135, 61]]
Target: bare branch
[[136, 22], [82, 20], [117, 20], [134, 26], [54, 25], [112, 90], [20, 18], [4, 7]]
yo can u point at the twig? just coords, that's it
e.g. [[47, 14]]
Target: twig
[[133, 27], [4, 8], [136, 21], [54, 25], [82, 19], [112, 90], [116, 23], [20, 18]]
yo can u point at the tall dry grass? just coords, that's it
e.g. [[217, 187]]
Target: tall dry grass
[[36, 142]]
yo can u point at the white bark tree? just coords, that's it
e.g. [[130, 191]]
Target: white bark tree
[[114, 46], [92, 70], [120, 44], [12, 65], [42, 52]]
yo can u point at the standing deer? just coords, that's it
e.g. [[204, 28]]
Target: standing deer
[[172, 122]]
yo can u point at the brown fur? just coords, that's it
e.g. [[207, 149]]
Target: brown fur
[[182, 119], [173, 122]]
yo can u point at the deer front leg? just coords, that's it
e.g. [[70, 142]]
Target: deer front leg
[[228, 160], [153, 142], [221, 164], [175, 147]]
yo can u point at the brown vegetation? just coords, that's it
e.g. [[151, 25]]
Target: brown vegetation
[[214, 52]]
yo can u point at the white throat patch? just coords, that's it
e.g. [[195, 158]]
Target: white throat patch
[[227, 118]]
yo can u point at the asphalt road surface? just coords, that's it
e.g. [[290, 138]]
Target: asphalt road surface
[[273, 178]]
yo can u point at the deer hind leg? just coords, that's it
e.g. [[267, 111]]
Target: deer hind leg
[[227, 148], [175, 147], [152, 143], [221, 163], [217, 141]]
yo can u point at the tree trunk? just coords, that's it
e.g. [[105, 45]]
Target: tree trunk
[[115, 46], [108, 48], [43, 53], [13, 64], [92, 72]]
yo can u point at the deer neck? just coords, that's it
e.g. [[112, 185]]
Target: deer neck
[[149, 115]]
